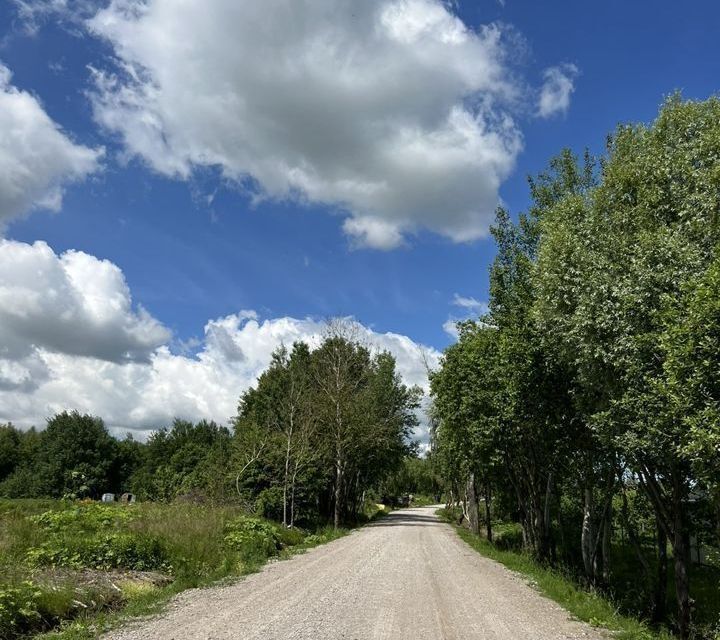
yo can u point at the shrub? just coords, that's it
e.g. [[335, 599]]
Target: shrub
[[84, 518], [508, 538], [248, 535], [269, 503], [19, 609]]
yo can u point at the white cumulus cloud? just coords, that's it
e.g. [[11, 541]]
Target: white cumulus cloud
[[72, 339], [36, 158], [72, 304], [393, 112], [558, 86]]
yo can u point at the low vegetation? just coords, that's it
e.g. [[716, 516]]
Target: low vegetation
[[69, 564]]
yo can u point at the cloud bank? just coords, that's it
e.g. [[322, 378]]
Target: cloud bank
[[36, 158], [72, 339], [392, 112]]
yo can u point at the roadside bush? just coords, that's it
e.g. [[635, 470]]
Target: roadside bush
[[508, 536], [250, 535]]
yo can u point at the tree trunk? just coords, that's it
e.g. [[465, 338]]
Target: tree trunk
[[660, 595], [548, 544], [472, 507], [587, 540], [292, 494], [633, 537], [606, 542], [681, 553], [338, 493], [488, 515]]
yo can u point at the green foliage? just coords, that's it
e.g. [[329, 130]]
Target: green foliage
[[245, 533], [95, 536], [109, 551], [19, 609], [417, 477], [53, 555], [320, 430], [74, 457], [586, 401], [187, 460]]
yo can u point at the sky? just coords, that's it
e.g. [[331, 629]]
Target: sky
[[186, 185]]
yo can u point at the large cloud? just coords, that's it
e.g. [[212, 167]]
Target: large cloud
[[73, 304], [36, 157], [393, 111], [72, 340]]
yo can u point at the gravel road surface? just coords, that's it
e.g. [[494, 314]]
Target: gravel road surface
[[407, 576]]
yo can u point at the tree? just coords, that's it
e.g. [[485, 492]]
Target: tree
[[189, 459], [10, 455], [340, 371], [690, 382], [77, 456], [616, 268], [322, 427], [466, 397], [281, 406]]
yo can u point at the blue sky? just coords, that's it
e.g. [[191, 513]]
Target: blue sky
[[194, 245]]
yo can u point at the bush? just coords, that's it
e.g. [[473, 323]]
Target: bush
[[19, 609], [508, 536], [87, 518], [249, 535], [269, 503]]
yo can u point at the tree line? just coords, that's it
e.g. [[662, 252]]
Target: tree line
[[587, 400], [321, 433]]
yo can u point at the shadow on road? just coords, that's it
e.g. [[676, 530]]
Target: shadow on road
[[406, 519]]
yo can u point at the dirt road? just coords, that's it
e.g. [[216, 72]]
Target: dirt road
[[405, 576]]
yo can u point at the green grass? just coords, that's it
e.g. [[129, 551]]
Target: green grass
[[588, 606]]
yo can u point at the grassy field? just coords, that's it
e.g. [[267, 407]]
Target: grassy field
[[616, 611], [71, 569]]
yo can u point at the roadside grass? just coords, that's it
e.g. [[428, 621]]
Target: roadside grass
[[70, 571], [587, 606]]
